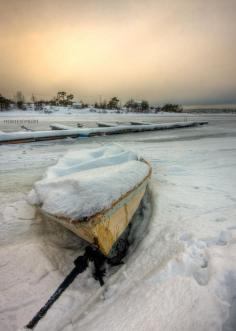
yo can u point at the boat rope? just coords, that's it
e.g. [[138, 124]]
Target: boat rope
[[81, 264]]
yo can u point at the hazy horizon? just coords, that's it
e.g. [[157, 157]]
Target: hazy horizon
[[161, 51]]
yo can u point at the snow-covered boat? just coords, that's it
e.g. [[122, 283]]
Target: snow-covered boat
[[94, 193]]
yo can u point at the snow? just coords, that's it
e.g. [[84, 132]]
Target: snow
[[85, 183], [75, 161], [182, 274]]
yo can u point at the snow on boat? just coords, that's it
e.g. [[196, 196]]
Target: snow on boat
[[94, 193]]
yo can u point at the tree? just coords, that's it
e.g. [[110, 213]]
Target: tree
[[33, 99], [103, 105], [69, 99], [63, 99], [39, 105], [113, 103], [130, 104], [144, 105], [4, 103], [20, 100], [83, 104], [172, 108], [133, 105], [157, 109]]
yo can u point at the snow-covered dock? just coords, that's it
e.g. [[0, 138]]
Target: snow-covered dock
[[56, 126], [18, 137], [105, 124], [139, 123]]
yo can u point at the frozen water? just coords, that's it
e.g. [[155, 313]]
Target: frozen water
[[181, 276]]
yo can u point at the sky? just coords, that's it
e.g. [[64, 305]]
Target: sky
[[181, 51]]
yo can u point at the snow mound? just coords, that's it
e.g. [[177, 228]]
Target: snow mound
[[84, 183], [89, 159]]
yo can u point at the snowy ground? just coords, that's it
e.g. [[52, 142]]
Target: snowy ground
[[182, 276]]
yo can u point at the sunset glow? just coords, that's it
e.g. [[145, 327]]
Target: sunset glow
[[181, 51]]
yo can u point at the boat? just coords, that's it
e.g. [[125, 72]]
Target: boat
[[106, 225], [122, 179]]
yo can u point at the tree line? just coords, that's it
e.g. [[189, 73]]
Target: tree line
[[65, 99]]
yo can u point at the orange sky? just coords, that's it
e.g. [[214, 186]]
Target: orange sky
[[165, 51]]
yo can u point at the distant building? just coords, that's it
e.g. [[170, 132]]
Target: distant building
[[77, 105]]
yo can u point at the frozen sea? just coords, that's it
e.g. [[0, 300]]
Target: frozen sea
[[181, 276]]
